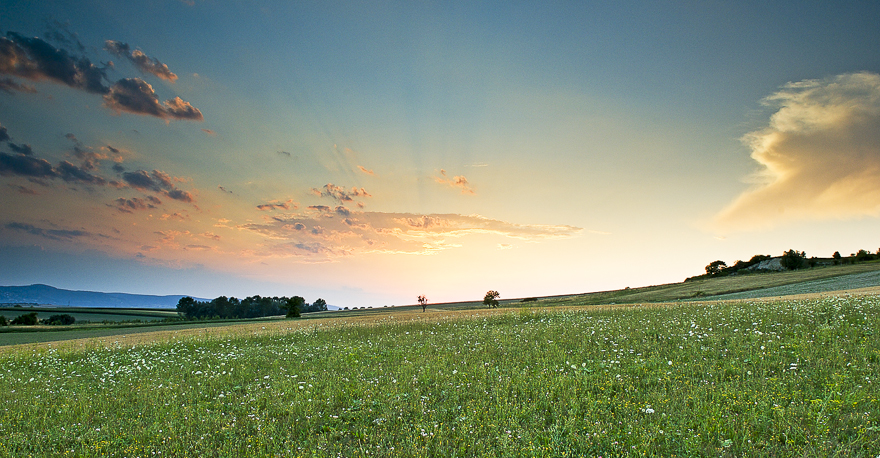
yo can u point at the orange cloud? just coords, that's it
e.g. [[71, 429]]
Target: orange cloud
[[348, 232], [456, 182]]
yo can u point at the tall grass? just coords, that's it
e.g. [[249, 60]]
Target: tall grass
[[794, 378]]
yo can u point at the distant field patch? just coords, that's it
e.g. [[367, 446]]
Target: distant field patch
[[94, 315]]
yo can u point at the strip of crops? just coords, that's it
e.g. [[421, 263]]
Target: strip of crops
[[794, 378]]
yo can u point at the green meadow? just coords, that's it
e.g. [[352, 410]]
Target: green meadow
[[748, 378]]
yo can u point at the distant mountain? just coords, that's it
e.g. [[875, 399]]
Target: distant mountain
[[48, 295]]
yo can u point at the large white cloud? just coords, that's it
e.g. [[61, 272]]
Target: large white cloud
[[820, 155]]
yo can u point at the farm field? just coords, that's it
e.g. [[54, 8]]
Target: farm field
[[92, 314], [744, 378]]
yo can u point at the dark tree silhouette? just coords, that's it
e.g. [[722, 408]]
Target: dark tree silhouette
[[294, 305], [423, 301], [715, 267], [491, 298]]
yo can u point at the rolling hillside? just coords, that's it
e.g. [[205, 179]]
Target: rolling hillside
[[48, 295]]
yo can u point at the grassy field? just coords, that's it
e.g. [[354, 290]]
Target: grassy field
[[92, 314], [749, 378]]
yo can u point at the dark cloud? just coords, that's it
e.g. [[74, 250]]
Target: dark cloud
[[339, 193], [9, 85], [134, 95], [163, 179], [23, 148], [180, 195], [129, 205], [140, 60], [141, 181], [342, 211], [224, 189], [60, 33], [71, 137], [156, 181], [209, 132], [26, 166], [54, 234], [71, 173], [321, 208], [275, 205], [35, 59], [23, 190], [283, 153], [4, 134], [118, 168], [299, 226]]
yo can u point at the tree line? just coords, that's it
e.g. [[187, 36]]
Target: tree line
[[250, 307], [790, 260]]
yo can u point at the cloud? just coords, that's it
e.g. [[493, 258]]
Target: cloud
[[9, 85], [456, 182], [209, 132], [129, 205], [23, 148], [23, 189], [368, 172], [224, 189], [157, 181], [134, 95], [4, 133], [60, 33], [339, 193], [140, 60], [141, 180], [53, 234], [344, 232], [35, 59], [276, 205], [178, 194], [27, 166], [819, 155], [284, 153], [71, 173]]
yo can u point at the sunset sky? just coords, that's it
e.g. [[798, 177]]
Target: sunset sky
[[367, 153]]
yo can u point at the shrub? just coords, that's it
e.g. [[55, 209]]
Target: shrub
[[27, 319], [63, 319]]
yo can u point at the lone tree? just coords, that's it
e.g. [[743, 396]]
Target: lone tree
[[491, 299], [715, 267], [423, 301], [295, 305]]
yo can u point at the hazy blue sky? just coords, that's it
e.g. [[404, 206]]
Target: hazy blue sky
[[367, 153]]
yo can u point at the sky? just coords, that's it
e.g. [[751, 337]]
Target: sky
[[371, 152]]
